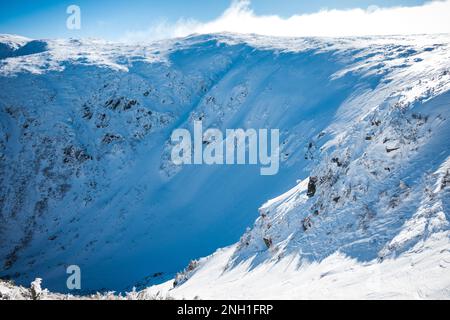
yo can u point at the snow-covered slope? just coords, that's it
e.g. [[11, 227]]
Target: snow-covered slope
[[10, 45], [86, 177]]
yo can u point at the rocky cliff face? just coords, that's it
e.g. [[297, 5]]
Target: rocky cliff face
[[85, 169]]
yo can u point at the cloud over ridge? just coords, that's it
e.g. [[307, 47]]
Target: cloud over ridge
[[429, 18]]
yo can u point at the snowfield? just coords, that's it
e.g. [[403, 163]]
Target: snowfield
[[360, 208], [418, 274]]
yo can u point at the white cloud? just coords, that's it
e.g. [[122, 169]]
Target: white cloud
[[432, 17]]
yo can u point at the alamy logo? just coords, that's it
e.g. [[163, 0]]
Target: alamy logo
[[238, 146], [73, 22], [74, 280]]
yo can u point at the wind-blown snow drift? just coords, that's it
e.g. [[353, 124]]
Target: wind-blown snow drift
[[86, 177]]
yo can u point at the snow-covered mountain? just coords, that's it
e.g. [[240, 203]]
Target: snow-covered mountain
[[86, 177]]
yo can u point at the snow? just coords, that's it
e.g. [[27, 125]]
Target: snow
[[86, 178], [421, 273], [11, 43]]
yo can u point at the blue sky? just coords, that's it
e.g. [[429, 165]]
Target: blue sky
[[112, 19]]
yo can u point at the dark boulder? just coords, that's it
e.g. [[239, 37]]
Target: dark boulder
[[268, 242], [307, 224], [312, 187]]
